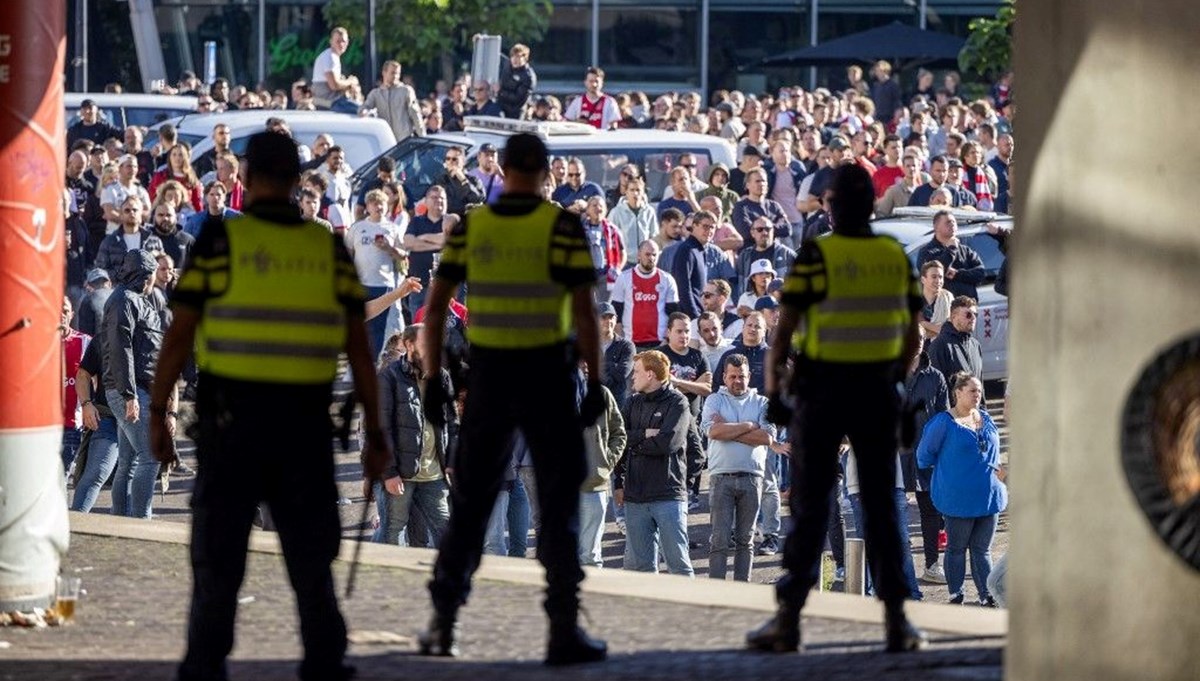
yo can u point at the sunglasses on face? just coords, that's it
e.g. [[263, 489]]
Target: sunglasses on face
[[691, 166], [453, 159], [762, 229], [573, 174]]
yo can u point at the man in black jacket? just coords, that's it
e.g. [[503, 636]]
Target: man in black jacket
[[416, 476], [132, 334], [956, 348], [964, 267], [925, 395], [462, 188], [618, 354], [517, 82], [651, 477]]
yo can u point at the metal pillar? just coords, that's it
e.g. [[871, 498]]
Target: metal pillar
[[372, 49], [262, 41], [704, 29], [814, 10], [595, 33], [33, 504], [856, 567]]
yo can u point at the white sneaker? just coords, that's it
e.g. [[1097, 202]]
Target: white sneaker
[[934, 574], [621, 526]]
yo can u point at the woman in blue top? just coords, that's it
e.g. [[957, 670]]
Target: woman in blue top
[[962, 446]]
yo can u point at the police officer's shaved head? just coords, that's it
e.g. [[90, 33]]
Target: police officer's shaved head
[[526, 154], [852, 198], [272, 157]]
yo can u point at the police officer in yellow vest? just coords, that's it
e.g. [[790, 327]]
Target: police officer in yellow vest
[[858, 299], [268, 303], [529, 277]]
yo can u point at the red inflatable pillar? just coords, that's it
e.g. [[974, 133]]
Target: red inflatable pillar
[[33, 511]]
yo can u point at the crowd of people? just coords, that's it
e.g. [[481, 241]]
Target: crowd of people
[[689, 287]]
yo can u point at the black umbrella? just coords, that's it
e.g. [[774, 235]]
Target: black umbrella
[[895, 42]]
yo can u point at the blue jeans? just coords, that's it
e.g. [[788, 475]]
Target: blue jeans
[[651, 525], [344, 105], [377, 327], [101, 460], [769, 512], [70, 447], [734, 502], [137, 471], [592, 506], [910, 573], [975, 534], [431, 500], [510, 515]]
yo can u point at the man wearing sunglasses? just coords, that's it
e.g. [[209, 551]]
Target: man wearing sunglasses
[[956, 349], [462, 188]]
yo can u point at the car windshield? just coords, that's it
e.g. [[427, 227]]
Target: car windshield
[[418, 165], [982, 243]]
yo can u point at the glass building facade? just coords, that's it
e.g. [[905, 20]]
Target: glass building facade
[[652, 45]]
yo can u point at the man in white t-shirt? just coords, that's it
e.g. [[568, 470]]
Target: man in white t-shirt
[[643, 297], [329, 86], [373, 245], [115, 193]]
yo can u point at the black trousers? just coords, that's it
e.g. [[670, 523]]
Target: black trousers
[[533, 390], [268, 444], [836, 400], [931, 523]]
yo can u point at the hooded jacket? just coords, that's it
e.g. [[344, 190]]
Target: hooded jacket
[[726, 195], [604, 441], [654, 468], [132, 330], [635, 225], [953, 351], [400, 402]]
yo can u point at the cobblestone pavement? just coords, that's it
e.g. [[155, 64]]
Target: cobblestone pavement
[[130, 627], [767, 569]]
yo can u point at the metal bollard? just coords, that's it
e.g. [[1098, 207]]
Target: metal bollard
[[856, 564]]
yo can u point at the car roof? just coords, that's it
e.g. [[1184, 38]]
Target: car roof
[[913, 225], [564, 134], [73, 100], [204, 122]]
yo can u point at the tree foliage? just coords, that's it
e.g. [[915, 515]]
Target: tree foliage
[[426, 30], [988, 51]]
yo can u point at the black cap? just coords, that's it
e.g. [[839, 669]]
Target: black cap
[[526, 153], [86, 103], [751, 150], [487, 148], [272, 155]]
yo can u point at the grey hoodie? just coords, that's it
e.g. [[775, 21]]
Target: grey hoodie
[[132, 331]]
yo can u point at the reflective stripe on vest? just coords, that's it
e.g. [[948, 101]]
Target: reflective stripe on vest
[[279, 320], [864, 315], [514, 303]]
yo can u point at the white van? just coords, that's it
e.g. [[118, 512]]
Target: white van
[[362, 139], [604, 153], [126, 109]]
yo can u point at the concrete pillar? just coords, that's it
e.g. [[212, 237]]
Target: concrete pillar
[[1107, 275]]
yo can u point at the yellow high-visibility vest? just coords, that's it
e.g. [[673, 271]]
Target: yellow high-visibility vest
[[279, 320], [865, 314], [514, 302]]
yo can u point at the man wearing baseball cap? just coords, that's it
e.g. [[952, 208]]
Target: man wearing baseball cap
[[91, 309], [91, 126]]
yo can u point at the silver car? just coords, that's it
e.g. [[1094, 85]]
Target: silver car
[[913, 228]]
